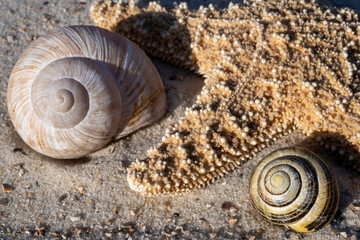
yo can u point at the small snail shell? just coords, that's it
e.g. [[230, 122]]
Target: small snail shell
[[294, 187], [76, 88]]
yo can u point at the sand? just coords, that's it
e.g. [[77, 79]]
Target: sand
[[90, 198]]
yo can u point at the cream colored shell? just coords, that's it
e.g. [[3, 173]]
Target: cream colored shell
[[294, 187], [76, 88]]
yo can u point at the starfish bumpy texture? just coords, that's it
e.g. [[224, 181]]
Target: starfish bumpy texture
[[269, 66]]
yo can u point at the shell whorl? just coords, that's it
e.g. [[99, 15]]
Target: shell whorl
[[294, 187], [76, 88]]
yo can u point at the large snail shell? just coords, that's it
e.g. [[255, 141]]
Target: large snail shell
[[76, 88], [294, 187]]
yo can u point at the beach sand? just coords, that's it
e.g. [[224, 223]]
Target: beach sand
[[89, 198]]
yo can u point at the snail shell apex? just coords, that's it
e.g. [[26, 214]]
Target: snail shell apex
[[294, 187], [76, 88]]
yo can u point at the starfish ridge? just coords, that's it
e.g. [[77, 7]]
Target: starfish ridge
[[270, 67]]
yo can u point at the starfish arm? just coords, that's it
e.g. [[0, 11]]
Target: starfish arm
[[158, 31], [198, 40], [334, 121], [217, 134]]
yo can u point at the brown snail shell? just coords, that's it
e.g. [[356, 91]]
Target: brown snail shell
[[76, 88], [294, 187]]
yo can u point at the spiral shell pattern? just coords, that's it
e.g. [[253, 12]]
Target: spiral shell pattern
[[294, 187], [76, 88]]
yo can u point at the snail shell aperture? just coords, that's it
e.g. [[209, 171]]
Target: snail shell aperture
[[76, 88], [294, 187]]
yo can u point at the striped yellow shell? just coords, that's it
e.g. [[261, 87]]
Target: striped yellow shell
[[76, 88], [294, 187]]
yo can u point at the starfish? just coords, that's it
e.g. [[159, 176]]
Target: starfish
[[269, 67]]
